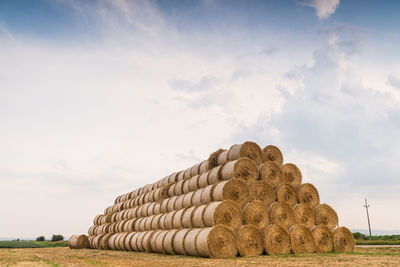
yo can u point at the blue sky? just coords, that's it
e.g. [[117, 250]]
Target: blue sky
[[100, 97]]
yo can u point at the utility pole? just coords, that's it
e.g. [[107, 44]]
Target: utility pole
[[366, 206]]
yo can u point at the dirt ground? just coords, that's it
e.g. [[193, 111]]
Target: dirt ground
[[375, 256]]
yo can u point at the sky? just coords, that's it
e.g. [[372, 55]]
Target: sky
[[99, 97]]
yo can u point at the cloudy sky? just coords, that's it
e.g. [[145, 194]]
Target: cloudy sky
[[100, 97]]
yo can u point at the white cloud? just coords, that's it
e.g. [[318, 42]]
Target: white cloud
[[323, 8]]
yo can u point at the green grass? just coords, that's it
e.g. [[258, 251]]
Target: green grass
[[32, 244], [377, 242]]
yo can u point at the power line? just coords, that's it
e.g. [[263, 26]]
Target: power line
[[366, 206]]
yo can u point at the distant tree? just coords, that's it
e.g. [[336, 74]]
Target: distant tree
[[40, 238], [55, 238], [358, 235]]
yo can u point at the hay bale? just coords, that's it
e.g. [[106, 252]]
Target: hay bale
[[155, 222], [177, 220], [179, 202], [157, 208], [234, 189], [168, 242], [171, 203], [121, 241], [281, 213], [178, 189], [127, 241], [241, 168], [193, 183], [168, 223], [213, 158], [187, 217], [307, 193], [105, 241], [177, 243], [164, 190], [78, 242], [216, 242], [110, 242], [171, 190], [203, 180], [189, 243], [194, 170], [222, 212], [291, 174], [343, 240], [146, 241], [247, 150], [196, 199], [262, 191], [214, 175], [160, 242], [276, 240], [222, 158], [185, 186], [270, 172], [206, 195], [304, 214], [203, 166], [286, 193], [187, 200], [302, 239], [153, 240], [272, 153], [198, 216], [255, 213], [324, 214], [164, 205], [179, 176], [249, 241], [323, 238]]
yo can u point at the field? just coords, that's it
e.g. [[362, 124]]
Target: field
[[32, 244], [61, 256]]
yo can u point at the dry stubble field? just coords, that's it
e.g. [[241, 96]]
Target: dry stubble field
[[376, 256]]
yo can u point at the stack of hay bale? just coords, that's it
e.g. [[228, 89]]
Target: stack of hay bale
[[242, 201]]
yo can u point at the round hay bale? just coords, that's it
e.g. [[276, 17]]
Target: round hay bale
[[177, 220], [187, 217], [136, 224], [241, 168], [189, 243], [214, 175], [111, 242], [213, 159], [121, 241], [198, 215], [222, 212], [203, 166], [160, 242], [276, 240], [207, 194], [127, 242], [96, 220], [140, 200], [114, 217], [155, 222], [157, 208], [161, 221], [139, 242], [171, 203], [304, 214], [171, 190], [249, 241], [142, 224], [307, 193], [193, 183], [147, 223], [323, 238], [272, 153], [216, 242], [324, 214], [146, 198], [262, 191], [164, 204], [291, 174], [105, 241], [133, 243], [196, 199], [168, 222], [92, 230], [179, 202], [146, 241], [234, 189], [129, 226], [164, 190], [222, 158], [153, 240], [343, 240], [178, 190], [116, 241], [144, 209], [78, 242], [281, 213], [246, 150], [286, 193], [177, 242], [302, 239], [187, 200], [179, 176], [203, 180], [168, 242], [255, 213], [186, 174], [185, 186], [150, 208], [194, 170]]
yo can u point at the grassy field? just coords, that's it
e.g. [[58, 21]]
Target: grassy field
[[32, 244], [61, 256]]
